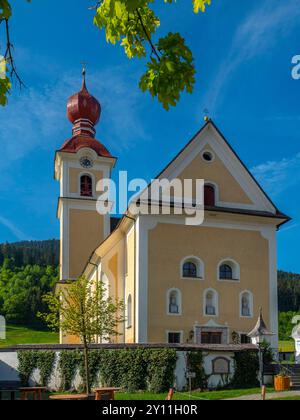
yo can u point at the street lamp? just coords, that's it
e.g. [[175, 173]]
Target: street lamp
[[258, 336]]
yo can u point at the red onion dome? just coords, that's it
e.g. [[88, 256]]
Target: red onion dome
[[83, 107]]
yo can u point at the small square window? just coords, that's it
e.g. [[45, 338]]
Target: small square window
[[174, 338], [245, 339]]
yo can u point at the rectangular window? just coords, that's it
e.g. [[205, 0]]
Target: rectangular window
[[245, 339], [174, 338], [211, 338]]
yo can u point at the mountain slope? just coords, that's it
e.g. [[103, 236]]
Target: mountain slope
[[41, 253]]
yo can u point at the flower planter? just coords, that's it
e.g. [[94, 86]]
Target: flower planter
[[282, 383]]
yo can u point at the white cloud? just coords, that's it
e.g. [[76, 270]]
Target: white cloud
[[292, 227], [21, 236], [278, 176], [253, 37]]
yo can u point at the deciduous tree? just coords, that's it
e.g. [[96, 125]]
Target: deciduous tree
[[83, 309]]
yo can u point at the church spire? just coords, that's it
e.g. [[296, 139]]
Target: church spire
[[83, 111]]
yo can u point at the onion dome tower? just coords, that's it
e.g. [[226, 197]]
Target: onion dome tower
[[80, 164], [84, 112]]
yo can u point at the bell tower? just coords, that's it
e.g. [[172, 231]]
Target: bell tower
[[80, 164]]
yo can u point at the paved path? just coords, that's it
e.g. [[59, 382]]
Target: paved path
[[271, 396]]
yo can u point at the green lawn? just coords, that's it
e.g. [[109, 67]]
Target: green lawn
[[214, 395], [23, 335]]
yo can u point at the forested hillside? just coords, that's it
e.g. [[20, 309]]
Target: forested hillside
[[289, 292], [41, 253], [28, 270]]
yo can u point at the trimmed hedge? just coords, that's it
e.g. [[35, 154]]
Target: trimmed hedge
[[133, 370]]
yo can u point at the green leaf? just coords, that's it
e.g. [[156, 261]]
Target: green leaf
[[133, 24], [200, 5], [5, 9]]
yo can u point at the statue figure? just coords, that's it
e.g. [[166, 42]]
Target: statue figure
[[296, 337]]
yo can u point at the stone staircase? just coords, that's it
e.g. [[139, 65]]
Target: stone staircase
[[295, 371]]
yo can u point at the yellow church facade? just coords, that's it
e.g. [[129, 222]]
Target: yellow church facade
[[181, 284]]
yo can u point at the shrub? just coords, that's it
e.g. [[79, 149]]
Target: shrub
[[45, 364], [195, 365], [27, 363], [246, 369], [160, 369], [69, 363]]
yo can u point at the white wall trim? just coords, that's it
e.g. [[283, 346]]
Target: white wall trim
[[92, 176], [200, 267], [213, 184], [251, 301], [210, 137], [216, 303], [143, 225], [236, 270]]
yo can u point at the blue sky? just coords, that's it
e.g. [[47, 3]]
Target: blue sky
[[243, 53]]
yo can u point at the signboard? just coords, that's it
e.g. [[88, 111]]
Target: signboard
[[191, 375], [221, 366]]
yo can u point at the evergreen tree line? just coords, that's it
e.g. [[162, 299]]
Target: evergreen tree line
[[22, 289], [288, 292], [42, 253]]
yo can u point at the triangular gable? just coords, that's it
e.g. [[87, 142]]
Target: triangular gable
[[230, 172]]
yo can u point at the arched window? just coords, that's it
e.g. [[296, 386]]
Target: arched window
[[129, 312], [209, 195], [192, 268], [246, 304], [229, 270], [211, 303], [86, 186], [226, 272], [174, 302]]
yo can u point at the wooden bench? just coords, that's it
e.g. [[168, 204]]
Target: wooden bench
[[110, 393], [71, 397], [36, 392]]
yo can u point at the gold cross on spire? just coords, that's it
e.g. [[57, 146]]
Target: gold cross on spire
[[84, 64]]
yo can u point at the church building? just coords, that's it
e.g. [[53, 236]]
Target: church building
[[180, 284]]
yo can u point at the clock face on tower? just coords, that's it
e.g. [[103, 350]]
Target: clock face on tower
[[86, 162]]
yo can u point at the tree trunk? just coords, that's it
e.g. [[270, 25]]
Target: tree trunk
[[86, 366]]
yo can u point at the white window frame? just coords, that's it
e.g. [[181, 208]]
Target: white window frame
[[179, 302], [213, 155], [200, 267], [251, 301], [236, 270], [217, 190], [216, 303], [92, 176]]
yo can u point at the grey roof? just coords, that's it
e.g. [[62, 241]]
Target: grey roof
[[260, 328]]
